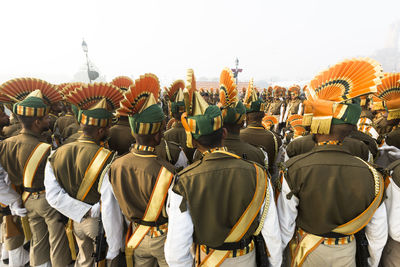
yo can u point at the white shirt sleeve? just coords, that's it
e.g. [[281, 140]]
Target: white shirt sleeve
[[112, 219], [393, 210], [180, 234], [182, 160], [282, 113], [271, 231], [373, 133], [59, 199], [300, 111], [7, 194], [376, 232], [287, 212]]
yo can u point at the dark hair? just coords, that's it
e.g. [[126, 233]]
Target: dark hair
[[233, 128], [177, 115], [211, 140], [255, 116], [340, 131], [27, 122], [89, 129]]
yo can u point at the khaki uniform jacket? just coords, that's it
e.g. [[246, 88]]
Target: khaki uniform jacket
[[12, 130], [306, 143], [15, 152], [63, 122], [326, 180], [53, 118], [293, 106], [393, 138], [263, 138], [70, 162], [275, 107], [70, 130], [244, 150], [133, 177], [177, 134], [121, 138], [217, 189], [366, 139], [168, 151]]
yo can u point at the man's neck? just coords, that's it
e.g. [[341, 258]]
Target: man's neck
[[33, 130], [254, 122]]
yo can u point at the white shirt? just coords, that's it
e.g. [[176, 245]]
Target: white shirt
[[59, 199], [393, 210], [112, 218], [375, 231], [180, 233], [7, 194]]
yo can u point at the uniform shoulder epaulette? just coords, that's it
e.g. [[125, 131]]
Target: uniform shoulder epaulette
[[393, 165], [190, 167], [294, 159], [253, 162]]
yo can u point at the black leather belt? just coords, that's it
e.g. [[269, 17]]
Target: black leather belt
[[332, 235], [152, 224], [34, 189], [243, 243], [5, 211]]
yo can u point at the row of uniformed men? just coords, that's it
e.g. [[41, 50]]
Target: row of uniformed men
[[213, 203]]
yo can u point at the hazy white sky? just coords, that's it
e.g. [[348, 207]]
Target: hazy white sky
[[290, 39]]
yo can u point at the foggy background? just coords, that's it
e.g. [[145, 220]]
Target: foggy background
[[278, 42]]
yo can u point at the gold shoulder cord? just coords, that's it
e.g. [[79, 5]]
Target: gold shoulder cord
[[276, 146], [265, 210], [168, 152], [375, 174]]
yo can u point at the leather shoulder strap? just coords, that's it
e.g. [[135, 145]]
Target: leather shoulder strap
[[92, 172], [154, 207], [32, 164], [216, 257]]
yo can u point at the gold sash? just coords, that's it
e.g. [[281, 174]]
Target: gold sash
[[153, 208], [310, 242], [31, 166], [216, 257], [91, 175]]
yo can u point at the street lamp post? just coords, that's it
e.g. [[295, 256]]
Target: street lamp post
[[85, 50], [236, 70]]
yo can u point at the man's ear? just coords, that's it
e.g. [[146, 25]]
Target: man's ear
[[37, 123]]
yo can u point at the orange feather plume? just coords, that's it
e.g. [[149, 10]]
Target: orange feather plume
[[71, 87], [88, 95], [174, 88], [122, 82], [389, 93], [299, 129], [390, 87], [248, 97], [189, 91], [138, 93], [61, 86], [294, 117], [228, 93], [348, 79], [17, 89], [296, 122], [272, 119], [268, 121]]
